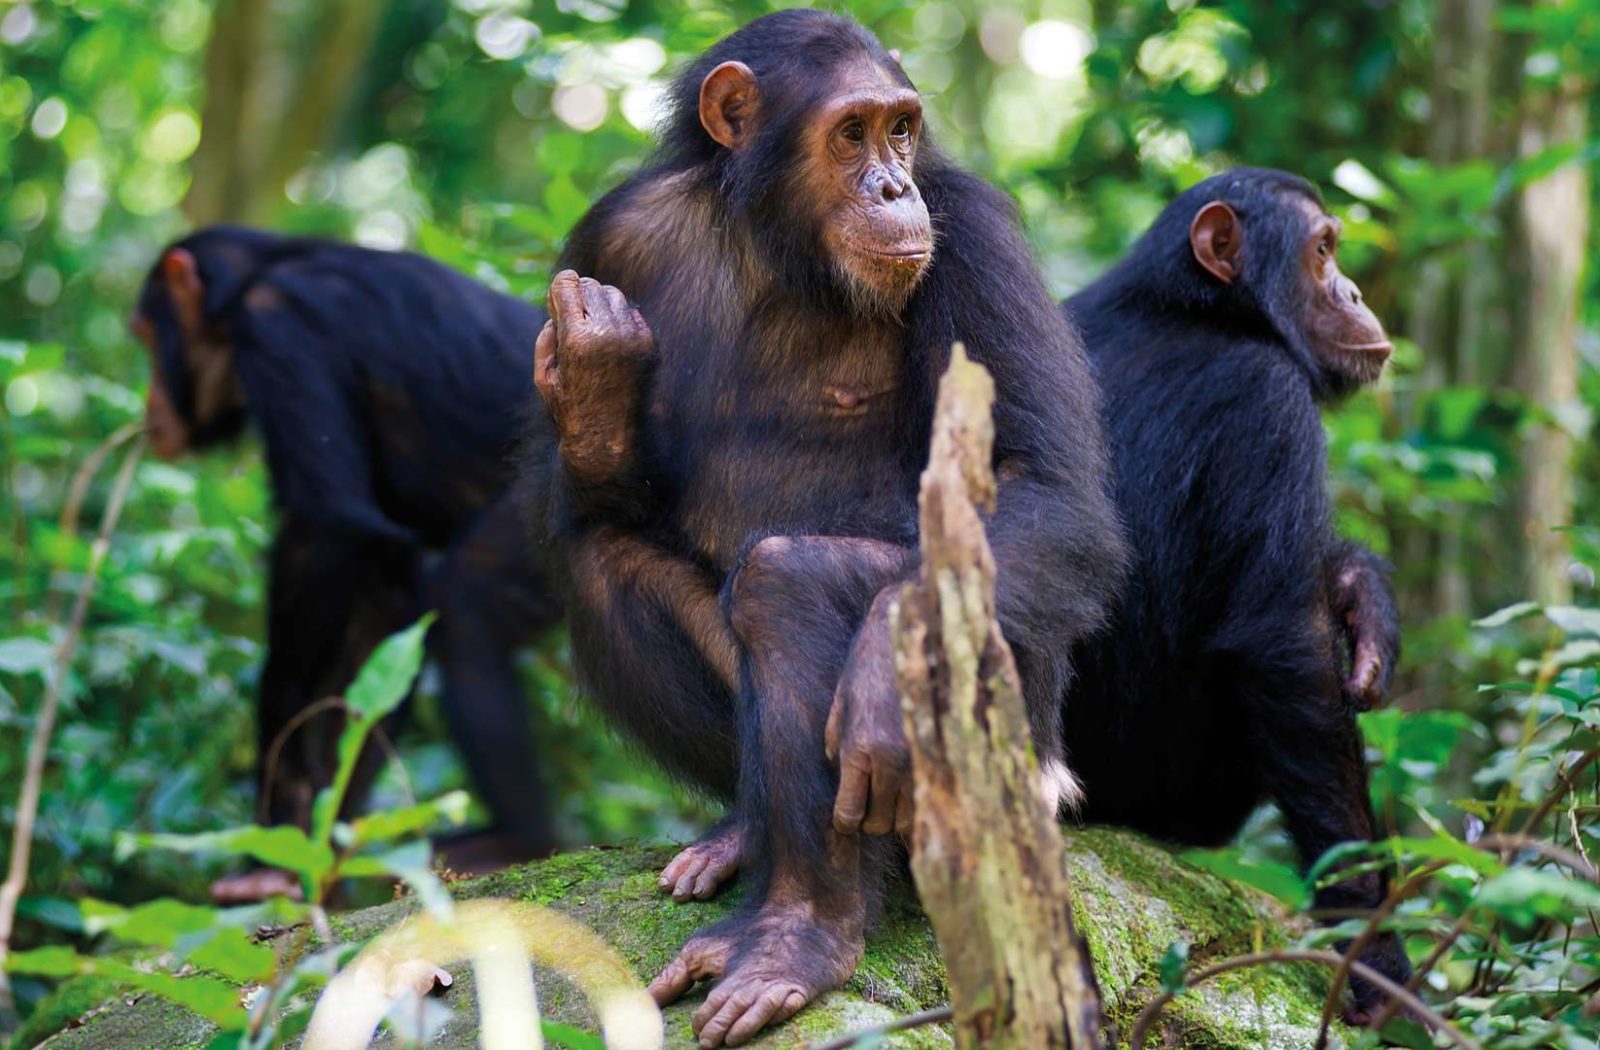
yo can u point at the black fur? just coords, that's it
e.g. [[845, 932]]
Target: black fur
[[388, 391], [738, 452], [1218, 685]]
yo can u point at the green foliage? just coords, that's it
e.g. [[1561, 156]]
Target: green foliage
[[478, 132]]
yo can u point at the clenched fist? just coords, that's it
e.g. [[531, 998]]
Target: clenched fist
[[590, 365]]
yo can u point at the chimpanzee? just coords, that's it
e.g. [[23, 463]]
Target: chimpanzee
[[388, 391], [1218, 685], [779, 289]]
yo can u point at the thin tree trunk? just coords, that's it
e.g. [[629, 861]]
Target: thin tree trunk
[[986, 852], [1553, 216], [227, 161]]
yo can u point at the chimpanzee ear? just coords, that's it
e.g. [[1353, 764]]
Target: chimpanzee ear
[[1215, 237], [729, 102], [182, 277]]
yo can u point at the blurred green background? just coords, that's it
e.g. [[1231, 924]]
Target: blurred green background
[[1456, 138]]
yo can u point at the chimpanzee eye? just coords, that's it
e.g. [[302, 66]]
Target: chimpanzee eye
[[853, 131], [902, 128], [1323, 248]]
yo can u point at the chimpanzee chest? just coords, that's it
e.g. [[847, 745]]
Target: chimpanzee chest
[[815, 451]]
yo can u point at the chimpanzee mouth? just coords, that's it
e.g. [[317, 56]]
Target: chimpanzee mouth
[[917, 254], [1382, 347]]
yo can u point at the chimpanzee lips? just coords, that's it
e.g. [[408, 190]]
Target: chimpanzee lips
[[1382, 346]]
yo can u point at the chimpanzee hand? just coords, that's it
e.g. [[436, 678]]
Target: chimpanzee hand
[[1362, 603], [590, 365], [867, 737]]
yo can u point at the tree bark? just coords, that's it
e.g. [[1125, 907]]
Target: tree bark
[[987, 854], [1553, 222]]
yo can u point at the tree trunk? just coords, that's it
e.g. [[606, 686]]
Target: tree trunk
[[223, 171], [1553, 222], [987, 854], [1449, 312], [268, 109]]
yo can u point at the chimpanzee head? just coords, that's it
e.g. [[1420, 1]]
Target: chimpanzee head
[[1259, 246], [812, 133], [195, 399]]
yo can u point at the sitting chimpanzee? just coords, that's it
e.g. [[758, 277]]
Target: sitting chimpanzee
[[388, 391], [799, 260], [1218, 685]]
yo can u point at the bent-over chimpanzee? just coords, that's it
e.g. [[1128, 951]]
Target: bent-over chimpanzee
[[388, 391], [1218, 685], [797, 261]]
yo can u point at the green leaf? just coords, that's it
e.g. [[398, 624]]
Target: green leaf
[[283, 846], [380, 686], [412, 863], [386, 677], [392, 824], [231, 952], [1172, 967], [1277, 880], [1501, 617], [568, 1036], [1525, 895]]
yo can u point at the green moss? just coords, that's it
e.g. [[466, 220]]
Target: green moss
[[1133, 900]]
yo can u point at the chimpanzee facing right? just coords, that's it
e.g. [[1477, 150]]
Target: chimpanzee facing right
[[388, 391], [1214, 342]]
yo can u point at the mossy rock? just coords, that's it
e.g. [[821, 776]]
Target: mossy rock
[[1135, 899]]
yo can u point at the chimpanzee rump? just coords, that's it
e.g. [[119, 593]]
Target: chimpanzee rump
[[388, 391], [1218, 685], [735, 494]]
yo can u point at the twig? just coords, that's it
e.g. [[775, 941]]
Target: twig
[[78, 490], [1392, 1006], [1566, 785], [1148, 1015], [44, 723], [937, 1015], [304, 715], [1386, 908], [1508, 842]]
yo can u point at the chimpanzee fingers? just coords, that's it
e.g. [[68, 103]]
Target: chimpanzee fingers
[[544, 357], [565, 302], [830, 734], [885, 795], [850, 805], [699, 960], [773, 1006]]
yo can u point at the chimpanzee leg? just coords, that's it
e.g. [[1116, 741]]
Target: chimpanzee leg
[[332, 598], [796, 606], [654, 648], [491, 602], [1317, 774]]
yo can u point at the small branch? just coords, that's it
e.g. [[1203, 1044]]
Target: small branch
[[937, 1015], [78, 490], [1290, 955], [44, 723], [1390, 902]]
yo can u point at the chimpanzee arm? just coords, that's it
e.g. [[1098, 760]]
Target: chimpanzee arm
[[305, 405], [1056, 539], [1361, 598]]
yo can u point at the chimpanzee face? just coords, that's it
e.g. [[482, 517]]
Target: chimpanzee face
[[1340, 328], [1289, 259], [195, 397], [853, 155]]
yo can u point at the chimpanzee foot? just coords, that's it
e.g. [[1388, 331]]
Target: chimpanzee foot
[[771, 964], [699, 870], [254, 886]]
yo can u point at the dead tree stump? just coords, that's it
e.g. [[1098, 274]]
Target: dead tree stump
[[987, 855]]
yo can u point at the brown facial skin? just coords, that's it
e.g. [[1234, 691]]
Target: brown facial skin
[[1341, 330], [208, 354], [860, 150]]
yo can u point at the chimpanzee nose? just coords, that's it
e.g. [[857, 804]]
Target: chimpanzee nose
[[892, 185]]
